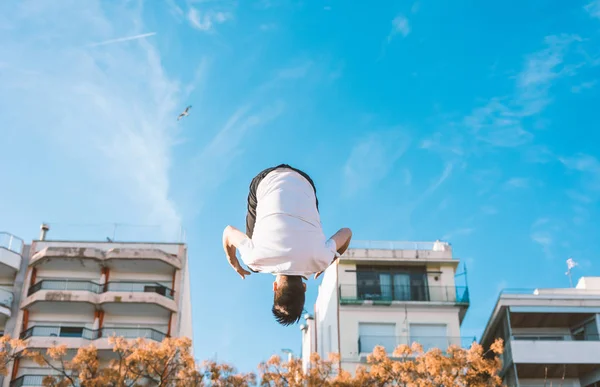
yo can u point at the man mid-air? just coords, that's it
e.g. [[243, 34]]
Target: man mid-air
[[284, 237]]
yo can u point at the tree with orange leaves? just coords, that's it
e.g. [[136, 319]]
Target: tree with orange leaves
[[171, 364], [135, 363], [9, 351], [408, 366]]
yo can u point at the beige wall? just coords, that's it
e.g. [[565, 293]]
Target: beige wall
[[171, 248]]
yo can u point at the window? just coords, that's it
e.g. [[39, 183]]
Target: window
[[429, 336], [392, 283], [587, 331], [372, 334], [71, 331]]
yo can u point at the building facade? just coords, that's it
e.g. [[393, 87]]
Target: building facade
[[387, 293], [81, 293], [551, 336], [13, 265]]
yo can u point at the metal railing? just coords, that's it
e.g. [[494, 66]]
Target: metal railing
[[6, 298], [148, 287], [366, 344], [11, 242], [393, 245], [73, 285], [134, 333], [350, 294], [35, 380], [93, 287], [555, 337], [92, 334], [28, 380]]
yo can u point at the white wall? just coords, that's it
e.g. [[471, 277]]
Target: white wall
[[185, 302], [555, 352], [351, 316], [326, 314]]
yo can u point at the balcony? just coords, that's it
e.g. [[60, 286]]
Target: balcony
[[366, 344], [93, 287], [11, 248], [387, 294], [92, 334], [6, 300], [28, 380], [555, 349]]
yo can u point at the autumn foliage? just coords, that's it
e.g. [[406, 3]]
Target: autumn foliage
[[171, 364]]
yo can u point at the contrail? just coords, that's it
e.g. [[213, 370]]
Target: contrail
[[122, 39]]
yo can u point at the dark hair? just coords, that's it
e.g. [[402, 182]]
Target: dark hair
[[288, 302]]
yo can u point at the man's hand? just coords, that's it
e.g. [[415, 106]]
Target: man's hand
[[232, 236], [342, 241], [240, 270]]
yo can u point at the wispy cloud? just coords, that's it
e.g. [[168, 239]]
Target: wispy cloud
[[501, 121], [589, 167], [400, 26], [267, 27], [112, 111], [212, 164], [440, 180], [125, 39], [295, 72], [593, 8], [517, 182], [489, 210], [584, 86], [456, 233], [582, 162], [206, 20], [372, 158]]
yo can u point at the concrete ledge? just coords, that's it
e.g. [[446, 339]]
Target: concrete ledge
[[99, 299], [101, 255]]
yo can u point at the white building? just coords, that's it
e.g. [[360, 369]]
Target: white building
[[12, 269], [80, 293], [549, 334], [387, 293]]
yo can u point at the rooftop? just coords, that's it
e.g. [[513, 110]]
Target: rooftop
[[390, 251], [584, 296]]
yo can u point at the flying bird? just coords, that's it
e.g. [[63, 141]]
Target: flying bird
[[185, 113]]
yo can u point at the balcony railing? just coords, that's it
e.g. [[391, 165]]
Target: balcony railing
[[92, 334], [385, 294], [11, 242], [34, 380], [556, 337], [28, 380], [366, 344], [93, 287], [6, 298]]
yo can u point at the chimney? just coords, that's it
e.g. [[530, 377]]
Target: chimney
[[44, 229]]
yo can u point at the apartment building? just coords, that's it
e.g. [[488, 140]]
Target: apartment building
[[12, 269], [80, 293], [387, 293], [550, 335]]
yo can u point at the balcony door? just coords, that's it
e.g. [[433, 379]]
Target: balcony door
[[374, 334], [392, 284]]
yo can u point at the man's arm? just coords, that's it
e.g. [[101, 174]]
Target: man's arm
[[342, 241], [232, 237]]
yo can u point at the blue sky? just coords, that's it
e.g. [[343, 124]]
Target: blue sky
[[473, 122]]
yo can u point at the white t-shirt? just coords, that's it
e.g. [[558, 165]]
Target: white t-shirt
[[287, 238]]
